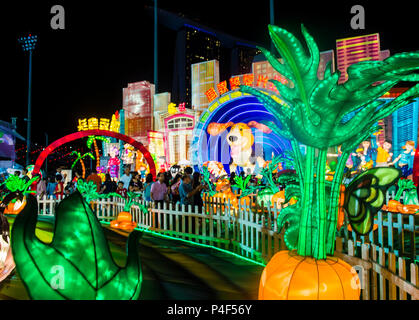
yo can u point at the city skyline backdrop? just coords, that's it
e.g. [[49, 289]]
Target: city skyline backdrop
[[79, 72]]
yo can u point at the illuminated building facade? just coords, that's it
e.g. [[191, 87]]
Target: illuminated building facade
[[356, 49], [405, 126], [138, 110], [205, 75]]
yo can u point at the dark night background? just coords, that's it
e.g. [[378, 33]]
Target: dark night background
[[80, 71]]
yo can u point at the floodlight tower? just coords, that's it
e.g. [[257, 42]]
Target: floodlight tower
[[28, 45]]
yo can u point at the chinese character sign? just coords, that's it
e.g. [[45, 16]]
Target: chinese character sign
[[211, 94], [222, 87], [101, 124], [182, 107]]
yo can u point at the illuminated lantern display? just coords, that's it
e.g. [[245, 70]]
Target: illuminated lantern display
[[114, 162], [171, 108], [312, 117], [215, 168], [124, 221], [248, 148], [80, 157], [101, 172], [79, 252], [128, 154], [92, 139], [15, 206], [81, 134], [140, 165], [289, 276], [15, 200]]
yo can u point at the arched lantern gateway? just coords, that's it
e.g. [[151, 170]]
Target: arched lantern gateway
[[81, 134]]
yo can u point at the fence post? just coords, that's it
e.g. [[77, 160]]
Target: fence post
[[402, 274], [414, 275], [382, 262], [374, 281], [365, 273], [392, 268]]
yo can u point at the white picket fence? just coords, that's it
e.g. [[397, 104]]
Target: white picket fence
[[252, 232], [240, 230], [247, 230]]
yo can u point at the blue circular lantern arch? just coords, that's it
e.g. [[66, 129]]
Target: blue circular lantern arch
[[237, 107]]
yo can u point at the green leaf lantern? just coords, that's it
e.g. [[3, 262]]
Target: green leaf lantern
[[77, 264], [365, 195]]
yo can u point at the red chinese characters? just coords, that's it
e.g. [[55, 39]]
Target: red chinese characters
[[234, 83], [211, 94], [222, 87]]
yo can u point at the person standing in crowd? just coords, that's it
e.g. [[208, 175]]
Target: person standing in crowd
[[41, 188], [188, 171], [121, 190], [59, 172], [197, 185], [167, 178], [158, 191], [186, 191], [108, 185], [174, 188], [126, 177], [147, 187], [96, 179], [59, 188], [135, 185], [51, 184]]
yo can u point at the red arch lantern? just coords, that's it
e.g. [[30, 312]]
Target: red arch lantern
[[81, 134]]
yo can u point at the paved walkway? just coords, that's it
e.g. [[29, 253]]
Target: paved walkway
[[171, 270]]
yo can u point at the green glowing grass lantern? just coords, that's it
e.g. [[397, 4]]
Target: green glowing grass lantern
[[312, 113], [77, 264]]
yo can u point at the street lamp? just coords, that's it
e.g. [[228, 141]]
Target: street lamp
[[28, 45]]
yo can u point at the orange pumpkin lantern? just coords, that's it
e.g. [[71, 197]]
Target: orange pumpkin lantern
[[278, 198], [289, 276], [124, 221], [15, 207]]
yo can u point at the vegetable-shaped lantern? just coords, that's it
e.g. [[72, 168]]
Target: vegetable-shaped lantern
[[410, 200], [311, 113], [124, 219], [77, 264], [308, 278], [15, 199]]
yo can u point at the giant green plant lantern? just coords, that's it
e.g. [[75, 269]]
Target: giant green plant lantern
[[77, 264], [311, 113]]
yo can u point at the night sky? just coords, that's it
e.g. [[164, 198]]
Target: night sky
[[80, 71]]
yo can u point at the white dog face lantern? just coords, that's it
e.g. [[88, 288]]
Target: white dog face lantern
[[241, 140]]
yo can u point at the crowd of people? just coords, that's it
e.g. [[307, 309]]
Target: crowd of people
[[184, 188]]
